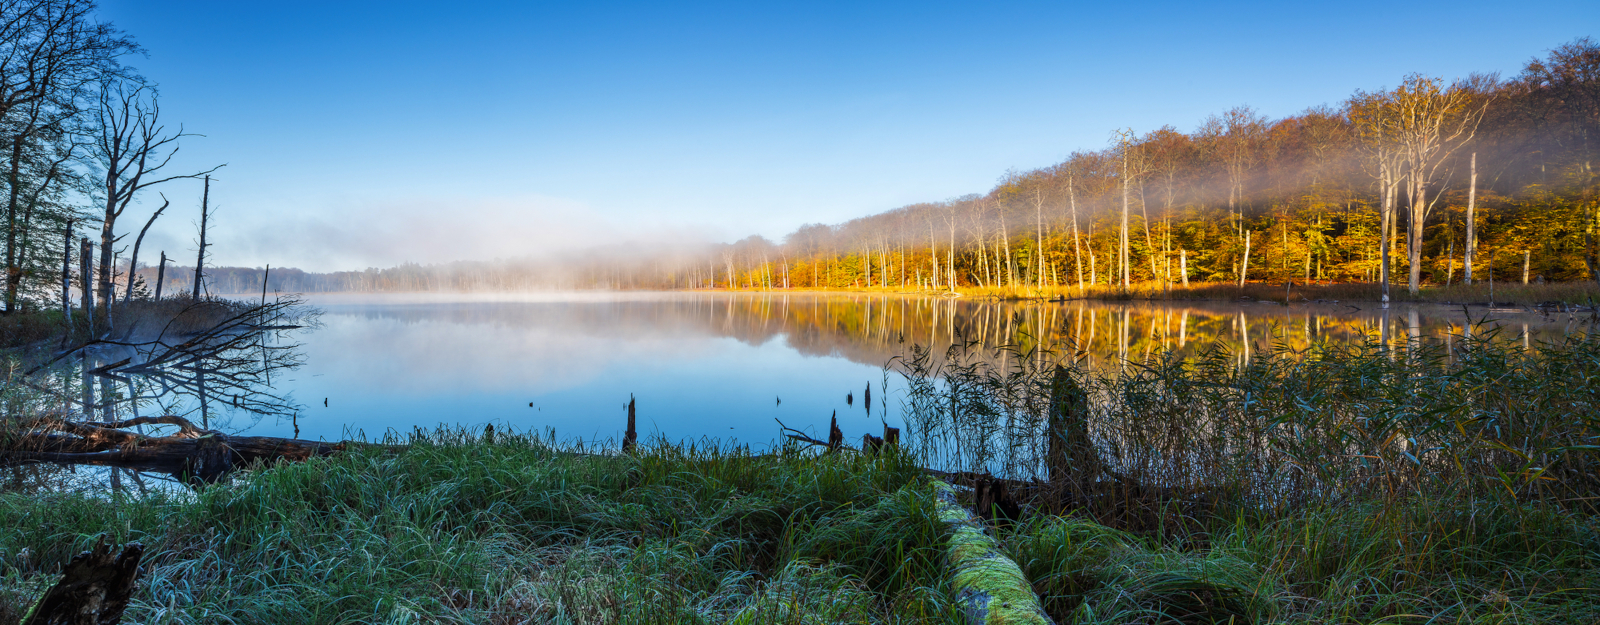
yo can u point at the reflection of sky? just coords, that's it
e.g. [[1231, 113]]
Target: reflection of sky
[[714, 365], [380, 372]]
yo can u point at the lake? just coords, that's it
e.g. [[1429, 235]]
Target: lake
[[725, 366]]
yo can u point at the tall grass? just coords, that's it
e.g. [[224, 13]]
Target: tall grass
[[1483, 417], [1427, 561], [1352, 483], [460, 529]]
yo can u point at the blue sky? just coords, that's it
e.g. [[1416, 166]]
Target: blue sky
[[369, 133]]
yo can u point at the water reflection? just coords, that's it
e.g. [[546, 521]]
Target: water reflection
[[204, 364], [706, 364]]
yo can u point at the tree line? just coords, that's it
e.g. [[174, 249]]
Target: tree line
[[82, 139], [1426, 182]]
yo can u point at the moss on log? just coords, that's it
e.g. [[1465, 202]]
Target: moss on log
[[991, 589]]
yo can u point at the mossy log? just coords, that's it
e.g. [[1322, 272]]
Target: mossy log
[[94, 588], [192, 454], [990, 588]]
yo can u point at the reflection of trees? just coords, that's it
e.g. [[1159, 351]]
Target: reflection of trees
[[207, 352], [871, 329]]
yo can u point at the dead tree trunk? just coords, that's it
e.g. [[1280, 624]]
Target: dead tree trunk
[[133, 261], [66, 279], [1471, 252], [1071, 459], [161, 273], [84, 250], [200, 260]]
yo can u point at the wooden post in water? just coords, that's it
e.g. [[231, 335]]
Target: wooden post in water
[[630, 439], [161, 273]]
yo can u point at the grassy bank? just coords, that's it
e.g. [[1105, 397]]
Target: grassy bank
[[459, 529], [513, 530]]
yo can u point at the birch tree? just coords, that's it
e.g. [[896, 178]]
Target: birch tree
[[1374, 117], [1431, 122]]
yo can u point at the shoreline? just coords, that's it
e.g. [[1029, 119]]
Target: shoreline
[[1583, 295]]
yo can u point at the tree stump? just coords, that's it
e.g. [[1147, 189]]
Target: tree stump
[[835, 435], [93, 590], [1070, 457]]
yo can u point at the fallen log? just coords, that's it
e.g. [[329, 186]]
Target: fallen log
[[192, 455], [990, 588]]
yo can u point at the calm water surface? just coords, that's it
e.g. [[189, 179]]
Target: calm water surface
[[725, 366]]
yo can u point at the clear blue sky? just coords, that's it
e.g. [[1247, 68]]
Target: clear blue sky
[[368, 133]]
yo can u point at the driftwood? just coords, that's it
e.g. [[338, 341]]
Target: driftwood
[[93, 590], [192, 455]]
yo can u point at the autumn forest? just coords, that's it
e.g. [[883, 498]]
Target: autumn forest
[[1429, 182]]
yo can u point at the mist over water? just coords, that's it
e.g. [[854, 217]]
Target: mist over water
[[724, 366]]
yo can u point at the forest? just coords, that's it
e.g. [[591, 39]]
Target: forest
[[82, 139], [1426, 183]]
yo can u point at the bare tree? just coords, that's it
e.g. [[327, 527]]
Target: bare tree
[[131, 146], [1374, 119], [1471, 246], [1134, 166]]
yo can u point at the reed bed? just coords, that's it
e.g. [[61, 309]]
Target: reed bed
[[1277, 427], [1353, 483]]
